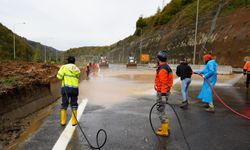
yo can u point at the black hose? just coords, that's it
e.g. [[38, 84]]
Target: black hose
[[97, 134], [178, 118]]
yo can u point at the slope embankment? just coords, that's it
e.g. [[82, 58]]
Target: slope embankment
[[25, 88]]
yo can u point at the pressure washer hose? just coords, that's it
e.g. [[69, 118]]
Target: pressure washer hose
[[222, 101], [97, 134], [178, 118]]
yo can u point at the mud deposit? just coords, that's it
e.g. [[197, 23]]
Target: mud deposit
[[25, 88]]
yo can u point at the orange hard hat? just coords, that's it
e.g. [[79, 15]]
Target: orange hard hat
[[207, 57]]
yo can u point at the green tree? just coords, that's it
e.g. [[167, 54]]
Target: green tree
[[141, 23]]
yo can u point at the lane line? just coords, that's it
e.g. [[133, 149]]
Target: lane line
[[67, 133]]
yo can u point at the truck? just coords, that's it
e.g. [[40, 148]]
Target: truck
[[131, 62], [103, 62]]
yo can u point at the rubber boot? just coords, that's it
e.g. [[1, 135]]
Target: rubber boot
[[164, 130], [184, 105], [73, 117], [159, 129], [63, 117], [210, 108]]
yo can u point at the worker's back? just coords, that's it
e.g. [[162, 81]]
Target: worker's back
[[70, 75]]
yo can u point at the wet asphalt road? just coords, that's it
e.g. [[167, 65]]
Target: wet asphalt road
[[119, 102]]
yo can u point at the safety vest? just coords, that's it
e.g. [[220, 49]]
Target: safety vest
[[70, 75], [247, 66]]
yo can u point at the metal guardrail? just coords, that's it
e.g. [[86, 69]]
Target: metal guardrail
[[237, 70]]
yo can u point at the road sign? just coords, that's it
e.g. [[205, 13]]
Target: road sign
[[145, 58]]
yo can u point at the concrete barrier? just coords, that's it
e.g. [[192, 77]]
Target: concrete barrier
[[222, 69], [24, 101]]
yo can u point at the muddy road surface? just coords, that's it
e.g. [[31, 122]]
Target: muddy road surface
[[119, 99]]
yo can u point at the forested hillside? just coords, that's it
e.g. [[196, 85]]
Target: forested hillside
[[25, 49]]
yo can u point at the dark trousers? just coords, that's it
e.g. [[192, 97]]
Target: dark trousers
[[248, 80], [69, 96]]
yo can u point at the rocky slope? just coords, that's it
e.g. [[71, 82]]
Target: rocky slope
[[223, 30]]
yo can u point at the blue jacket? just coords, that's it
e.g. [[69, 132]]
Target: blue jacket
[[210, 73]]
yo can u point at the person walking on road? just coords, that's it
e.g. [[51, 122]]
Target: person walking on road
[[184, 71], [210, 73], [69, 74], [88, 70], [246, 71], [163, 84]]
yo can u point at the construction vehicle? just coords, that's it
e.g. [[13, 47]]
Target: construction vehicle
[[104, 62], [131, 62]]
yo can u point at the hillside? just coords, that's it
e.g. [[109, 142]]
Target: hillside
[[25, 49], [223, 29], [86, 54]]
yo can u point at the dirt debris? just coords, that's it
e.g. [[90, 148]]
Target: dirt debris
[[16, 74]]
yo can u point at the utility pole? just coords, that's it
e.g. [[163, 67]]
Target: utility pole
[[56, 55], [14, 39], [196, 28], [45, 49], [140, 45], [45, 54], [123, 52]]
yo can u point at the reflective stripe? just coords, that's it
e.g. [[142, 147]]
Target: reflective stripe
[[70, 86], [71, 76]]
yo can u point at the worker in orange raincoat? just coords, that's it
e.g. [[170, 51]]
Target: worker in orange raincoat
[[163, 84], [246, 71]]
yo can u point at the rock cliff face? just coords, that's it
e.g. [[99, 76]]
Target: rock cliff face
[[226, 36]]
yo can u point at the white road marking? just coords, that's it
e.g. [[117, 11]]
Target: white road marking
[[67, 133]]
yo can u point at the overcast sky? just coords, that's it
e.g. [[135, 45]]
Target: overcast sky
[[65, 24]]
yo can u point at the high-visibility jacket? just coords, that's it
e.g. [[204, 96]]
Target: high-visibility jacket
[[164, 78], [246, 67], [70, 75]]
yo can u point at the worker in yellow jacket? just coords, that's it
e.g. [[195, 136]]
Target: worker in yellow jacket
[[246, 70], [69, 74]]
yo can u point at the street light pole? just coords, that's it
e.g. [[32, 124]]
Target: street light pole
[[14, 40], [196, 28]]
